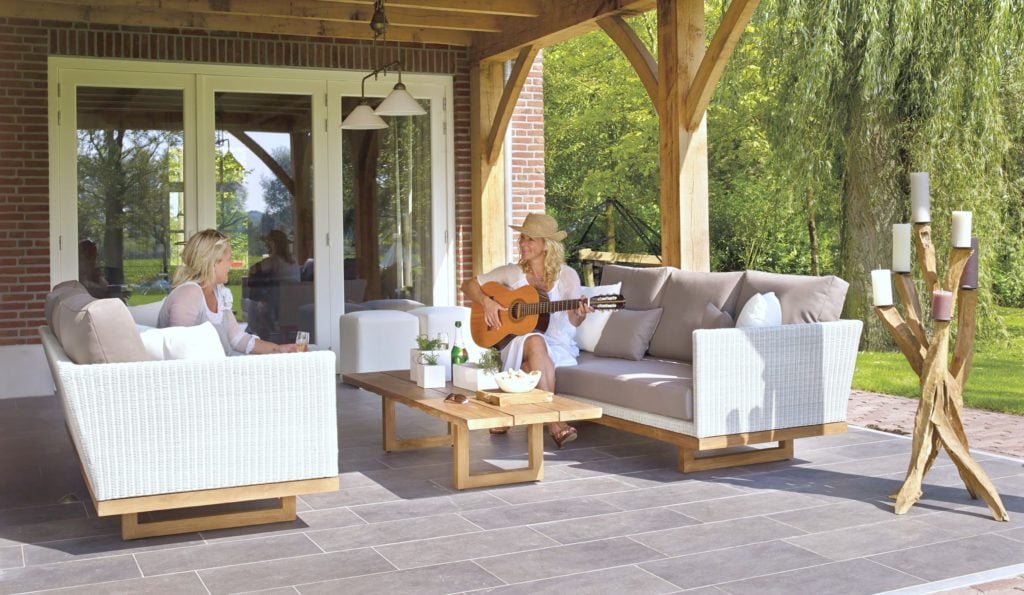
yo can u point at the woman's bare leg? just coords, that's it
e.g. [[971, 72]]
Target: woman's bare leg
[[536, 357]]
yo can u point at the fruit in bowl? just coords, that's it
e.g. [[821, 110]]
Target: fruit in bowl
[[517, 381]]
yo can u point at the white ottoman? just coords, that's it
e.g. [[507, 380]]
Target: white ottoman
[[441, 319], [375, 340]]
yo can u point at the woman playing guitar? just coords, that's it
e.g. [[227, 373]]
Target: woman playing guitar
[[541, 265]]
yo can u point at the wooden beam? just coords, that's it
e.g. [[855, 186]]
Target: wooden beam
[[683, 153], [261, 153], [736, 18], [636, 52], [46, 9], [557, 22], [512, 8], [486, 85], [507, 104], [313, 9]]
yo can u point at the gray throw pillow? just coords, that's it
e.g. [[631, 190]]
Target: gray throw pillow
[[628, 333], [715, 318], [641, 287]]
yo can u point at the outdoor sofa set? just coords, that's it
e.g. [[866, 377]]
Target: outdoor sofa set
[[156, 434], [672, 367]]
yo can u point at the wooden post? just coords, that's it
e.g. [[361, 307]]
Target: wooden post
[[684, 152], [486, 84], [938, 424]]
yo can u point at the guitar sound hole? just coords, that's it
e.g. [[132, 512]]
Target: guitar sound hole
[[513, 311]]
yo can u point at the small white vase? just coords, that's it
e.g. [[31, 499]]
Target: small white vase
[[471, 377]]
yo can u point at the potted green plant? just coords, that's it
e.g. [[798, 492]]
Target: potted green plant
[[479, 375], [424, 345], [431, 371]]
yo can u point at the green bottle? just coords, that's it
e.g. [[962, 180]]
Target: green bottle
[[459, 353]]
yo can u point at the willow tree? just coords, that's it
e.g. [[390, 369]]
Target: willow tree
[[870, 90]]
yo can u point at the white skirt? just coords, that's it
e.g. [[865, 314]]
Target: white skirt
[[512, 354]]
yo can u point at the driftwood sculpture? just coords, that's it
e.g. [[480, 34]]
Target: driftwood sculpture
[[938, 423]]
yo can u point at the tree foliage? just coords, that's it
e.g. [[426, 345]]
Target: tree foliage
[[824, 109]]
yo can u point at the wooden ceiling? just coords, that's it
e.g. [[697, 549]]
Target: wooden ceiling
[[490, 29]]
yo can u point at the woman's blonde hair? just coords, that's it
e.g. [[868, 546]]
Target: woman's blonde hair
[[201, 253], [554, 258]]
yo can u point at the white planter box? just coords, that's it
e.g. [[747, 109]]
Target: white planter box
[[471, 377], [430, 376], [444, 358]]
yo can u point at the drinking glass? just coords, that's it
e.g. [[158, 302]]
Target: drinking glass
[[302, 340]]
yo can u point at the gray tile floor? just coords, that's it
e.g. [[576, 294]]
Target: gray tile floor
[[611, 516]]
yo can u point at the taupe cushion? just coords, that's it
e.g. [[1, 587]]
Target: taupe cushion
[[803, 298], [715, 318], [59, 292], [641, 287], [95, 331], [627, 334], [660, 386], [683, 300]]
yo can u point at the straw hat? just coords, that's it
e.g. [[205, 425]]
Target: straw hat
[[539, 225]]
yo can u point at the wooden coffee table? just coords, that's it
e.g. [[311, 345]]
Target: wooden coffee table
[[395, 387]]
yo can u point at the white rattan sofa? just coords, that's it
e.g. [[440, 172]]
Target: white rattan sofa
[[173, 434], [704, 389]]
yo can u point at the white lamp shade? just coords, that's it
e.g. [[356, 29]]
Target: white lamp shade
[[363, 118], [400, 103]]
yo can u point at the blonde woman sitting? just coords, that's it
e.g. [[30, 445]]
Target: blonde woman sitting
[[199, 295]]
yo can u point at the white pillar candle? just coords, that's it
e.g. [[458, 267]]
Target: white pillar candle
[[881, 287], [920, 205], [961, 236], [901, 247]]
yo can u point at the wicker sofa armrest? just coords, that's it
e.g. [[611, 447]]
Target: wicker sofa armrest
[[160, 427], [755, 379]]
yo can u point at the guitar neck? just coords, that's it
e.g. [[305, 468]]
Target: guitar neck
[[549, 307]]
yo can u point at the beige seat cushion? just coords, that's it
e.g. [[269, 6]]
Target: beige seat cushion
[[660, 386], [93, 331], [684, 299], [803, 298]]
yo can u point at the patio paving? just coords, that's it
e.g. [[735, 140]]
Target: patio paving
[[612, 515]]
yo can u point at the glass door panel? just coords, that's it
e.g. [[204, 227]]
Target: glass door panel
[[130, 190], [388, 210], [264, 194]]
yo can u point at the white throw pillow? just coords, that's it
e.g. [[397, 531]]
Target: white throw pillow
[[762, 309], [184, 342], [588, 333]]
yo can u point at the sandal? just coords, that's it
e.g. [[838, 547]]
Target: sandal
[[500, 430], [565, 436]]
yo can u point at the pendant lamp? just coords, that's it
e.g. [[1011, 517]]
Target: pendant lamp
[[398, 103]]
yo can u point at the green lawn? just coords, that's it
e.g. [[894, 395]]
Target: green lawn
[[996, 382]]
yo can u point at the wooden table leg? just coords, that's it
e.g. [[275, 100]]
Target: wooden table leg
[[393, 443], [534, 471]]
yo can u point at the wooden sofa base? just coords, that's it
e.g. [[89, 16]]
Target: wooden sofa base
[[689, 446], [282, 511]]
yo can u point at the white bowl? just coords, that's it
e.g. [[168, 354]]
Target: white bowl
[[517, 381]]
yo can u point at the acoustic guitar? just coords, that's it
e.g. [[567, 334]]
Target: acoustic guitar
[[528, 311]]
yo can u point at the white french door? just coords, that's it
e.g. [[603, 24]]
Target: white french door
[[145, 154]]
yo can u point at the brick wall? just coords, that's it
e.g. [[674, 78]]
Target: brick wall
[[24, 175]]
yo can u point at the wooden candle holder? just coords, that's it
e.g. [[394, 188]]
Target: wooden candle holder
[[938, 424]]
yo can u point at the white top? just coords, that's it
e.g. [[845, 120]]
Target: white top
[[186, 306], [561, 334]]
